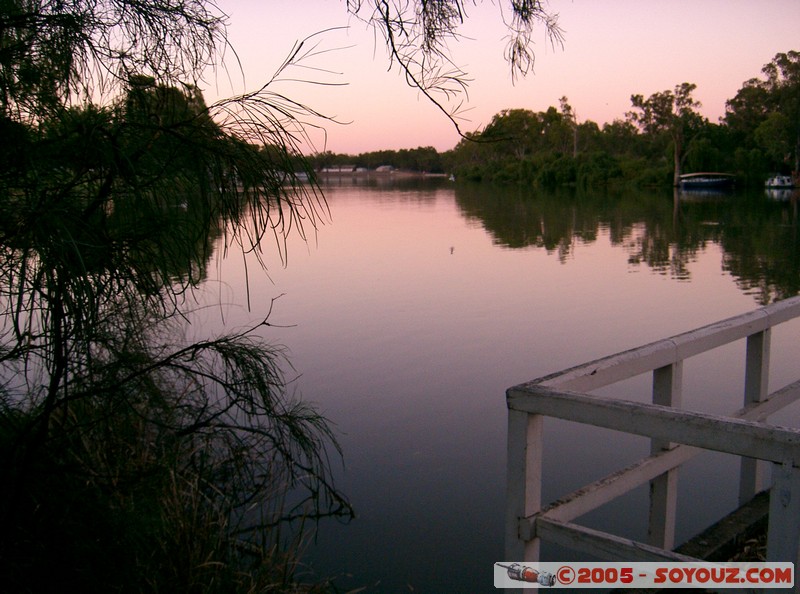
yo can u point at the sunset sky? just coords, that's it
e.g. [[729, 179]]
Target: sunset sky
[[612, 49]]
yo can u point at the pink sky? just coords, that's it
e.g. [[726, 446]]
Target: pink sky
[[612, 50]]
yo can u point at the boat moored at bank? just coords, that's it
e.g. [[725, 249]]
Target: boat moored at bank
[[707, 181], [779, 182]]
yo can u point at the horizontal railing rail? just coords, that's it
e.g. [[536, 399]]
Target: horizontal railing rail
[[711, 432], [627, 364]]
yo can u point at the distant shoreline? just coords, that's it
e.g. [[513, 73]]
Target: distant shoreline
[[383, 174]]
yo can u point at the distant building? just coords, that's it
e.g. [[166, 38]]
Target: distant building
[[384, 169], [339, 169]]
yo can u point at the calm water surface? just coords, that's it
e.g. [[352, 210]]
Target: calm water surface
[[417, 305]]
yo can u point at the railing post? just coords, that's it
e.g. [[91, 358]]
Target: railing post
[[667, 391], [524, 482], [783, 537], [752, 472]]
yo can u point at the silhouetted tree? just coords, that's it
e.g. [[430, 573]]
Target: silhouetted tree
[[120, 443], [418, 35]]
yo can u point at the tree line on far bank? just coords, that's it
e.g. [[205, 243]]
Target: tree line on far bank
[[661, 137]]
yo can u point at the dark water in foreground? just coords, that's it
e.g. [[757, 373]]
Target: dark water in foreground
[[416, 306]]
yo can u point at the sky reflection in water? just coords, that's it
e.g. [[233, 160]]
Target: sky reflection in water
[[411, 314]]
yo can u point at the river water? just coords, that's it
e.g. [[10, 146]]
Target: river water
[[417, 304]]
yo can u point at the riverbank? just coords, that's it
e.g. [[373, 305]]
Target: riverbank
[[378, 174]]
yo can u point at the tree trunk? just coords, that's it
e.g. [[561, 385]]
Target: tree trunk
[[676, 180]]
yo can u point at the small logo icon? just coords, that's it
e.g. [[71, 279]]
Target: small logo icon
[[523, 573], [566, 575]]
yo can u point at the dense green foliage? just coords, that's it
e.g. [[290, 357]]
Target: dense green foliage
[[662, 137], [422, 159]]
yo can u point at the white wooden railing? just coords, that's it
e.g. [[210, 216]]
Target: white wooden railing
[[676, 436]]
